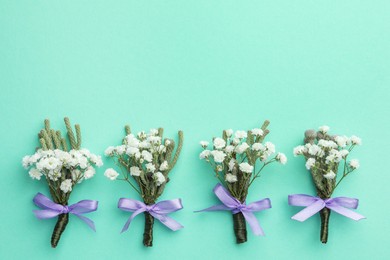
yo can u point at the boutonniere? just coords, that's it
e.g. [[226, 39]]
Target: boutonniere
[[238, 159], [145, 160], [327, 159], [62, 168]]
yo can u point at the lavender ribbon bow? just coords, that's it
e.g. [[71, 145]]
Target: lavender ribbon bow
[[51, 209], [158, 210], [315, 204], [232, 204]]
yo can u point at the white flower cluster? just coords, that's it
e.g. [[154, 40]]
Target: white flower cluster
[[53, 163], [330, 152], [143, 152], [231, 155]]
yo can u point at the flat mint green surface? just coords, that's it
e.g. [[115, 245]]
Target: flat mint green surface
[[199, 66]]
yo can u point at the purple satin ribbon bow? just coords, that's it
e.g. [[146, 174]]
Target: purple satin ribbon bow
[[51, 209], [158, 210], [232, 204], [315, 204]]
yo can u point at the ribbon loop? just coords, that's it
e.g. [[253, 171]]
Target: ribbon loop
[[314, 205], [158, 211], [50, 209], [234, 205]]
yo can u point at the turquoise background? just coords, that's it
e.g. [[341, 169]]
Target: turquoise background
[[200, 66]]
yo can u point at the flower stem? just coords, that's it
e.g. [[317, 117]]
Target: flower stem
[[148, 231], [239, 226], [59, 228], [324, 214]]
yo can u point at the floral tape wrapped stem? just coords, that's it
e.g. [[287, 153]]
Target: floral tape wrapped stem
[[324, 156], [62, 169], [234, 159], [144, 161]]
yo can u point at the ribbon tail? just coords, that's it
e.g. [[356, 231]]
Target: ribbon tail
[[88, 221], [214, 208], [127, 224], [309, 211], [46, 213], [167, 221], [253, 223], [346, 212]]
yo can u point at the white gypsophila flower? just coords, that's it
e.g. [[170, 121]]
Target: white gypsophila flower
[[162, 149], [232, 163], [310, 163], [219, 168], [26, 161], [334, 156], [35, 174], [344, 153], [132, 141], [341, 140], [76, 175], [85, 152], [257, 132], [98, 161], [219, 143], [324, 129], [66, 185], [282, 158], [83, 162], [144, 145], [155, 140], [240, 134], [246, 167], [35, 157], [159, 178], [147, 156], [54, 175], [327, 144], [258, 147], [168, 142], [236, 141], [354, 163], [299, 150], [229, 149], [111, 174], [120, 149], [264, 157], [204, 144], [150, 167], [241, 148], [153, 131], [135, 171], [218, 156], [270, 148], [109, 151], [231, 178], [356, 140], [229, 132], [330, 175], [314, 150], [132, 151], [89, 173], [51, 163], [204, 154], [164, 166]]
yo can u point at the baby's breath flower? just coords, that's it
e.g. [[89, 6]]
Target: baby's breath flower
[[330, 175], [111, 174], [354, 164], [231, 178], [310, 163]]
